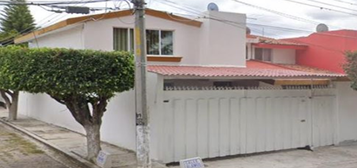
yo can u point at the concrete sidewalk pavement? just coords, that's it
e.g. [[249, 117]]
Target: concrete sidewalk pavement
[[68, 142], [322, 157]]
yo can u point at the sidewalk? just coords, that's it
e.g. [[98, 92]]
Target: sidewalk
[[68, 142]]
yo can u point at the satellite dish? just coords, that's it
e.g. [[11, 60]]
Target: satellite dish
[[321, 28], [212, 7], [248, 31]]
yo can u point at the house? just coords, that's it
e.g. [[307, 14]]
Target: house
[[326, 49], [321, 52], [205, 98]]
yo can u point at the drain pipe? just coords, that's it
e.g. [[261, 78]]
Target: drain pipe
[[312, 114]]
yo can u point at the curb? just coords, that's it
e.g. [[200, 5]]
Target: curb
[[81, 161]]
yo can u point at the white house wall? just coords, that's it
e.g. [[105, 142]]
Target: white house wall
[[283, 56], [99, 35], [223, 39], [347, 107], [70, 38], [118, 126]]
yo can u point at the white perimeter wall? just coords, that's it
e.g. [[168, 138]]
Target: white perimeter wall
[[118, 126], [283, 56], [347, 107], [70, 38]]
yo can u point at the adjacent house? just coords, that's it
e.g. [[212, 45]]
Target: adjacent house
[[326, 49], [207, 97]]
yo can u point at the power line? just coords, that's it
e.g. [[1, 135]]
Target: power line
[[8, 40], [241, 24], [321, 7], [279, 13], [284, 29], [328, 4], [46, 3], [346, 2]]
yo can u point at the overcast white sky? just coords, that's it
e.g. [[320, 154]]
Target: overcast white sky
[[296, 27]]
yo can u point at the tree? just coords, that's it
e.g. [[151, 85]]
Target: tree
[[10, 58], [15, 20], [82, 80], [350, 67]]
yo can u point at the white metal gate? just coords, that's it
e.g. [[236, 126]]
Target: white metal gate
[[216, 123]]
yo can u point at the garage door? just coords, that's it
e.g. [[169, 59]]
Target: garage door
[[214, 123]]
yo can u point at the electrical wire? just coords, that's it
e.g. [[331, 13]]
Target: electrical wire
[[322, 8], [346, 2], [241, 24], [322, 33], [279, 13], [332, 5], [10, 39]]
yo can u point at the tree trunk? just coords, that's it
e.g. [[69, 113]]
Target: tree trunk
[[78, 105], [93, 140], [13, 106]]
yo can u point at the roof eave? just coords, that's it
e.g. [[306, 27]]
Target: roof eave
[[160, 14]]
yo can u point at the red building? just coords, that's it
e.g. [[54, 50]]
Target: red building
[[326, 49]]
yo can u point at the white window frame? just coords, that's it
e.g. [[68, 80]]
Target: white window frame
[[160, 40]]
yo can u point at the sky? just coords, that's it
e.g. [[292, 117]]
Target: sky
[[289, 19]]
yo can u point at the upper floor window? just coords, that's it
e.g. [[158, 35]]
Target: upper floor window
[[263, 54], [159, 42], [123, 39]]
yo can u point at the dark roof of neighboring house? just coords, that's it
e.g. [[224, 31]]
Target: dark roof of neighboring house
[[87, 18]]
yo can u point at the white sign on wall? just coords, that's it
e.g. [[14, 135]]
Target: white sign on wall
[[192, 163]]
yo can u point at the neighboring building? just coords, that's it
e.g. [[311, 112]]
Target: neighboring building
[[326, 49], [205, 98], [272, 50]]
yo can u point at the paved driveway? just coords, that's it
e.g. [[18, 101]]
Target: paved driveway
[[17, 152], [325, 157]]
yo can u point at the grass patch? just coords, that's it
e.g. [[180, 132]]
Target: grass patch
[[14, 142]]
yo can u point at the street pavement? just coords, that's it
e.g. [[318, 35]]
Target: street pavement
[[323, 157], [19, 152]]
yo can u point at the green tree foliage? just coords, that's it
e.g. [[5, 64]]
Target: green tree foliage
[[350, 67], [10, 62], [15, 20], [82, 80]]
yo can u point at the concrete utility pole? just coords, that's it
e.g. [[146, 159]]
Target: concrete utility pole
[[142, 124]]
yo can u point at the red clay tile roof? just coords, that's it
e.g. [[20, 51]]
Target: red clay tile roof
[[267, 40], [202, 71], [257, 64], [306, 68]]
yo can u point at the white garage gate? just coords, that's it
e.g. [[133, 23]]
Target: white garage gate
[[215, 123]]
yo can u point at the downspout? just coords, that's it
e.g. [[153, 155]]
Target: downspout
[[312, 114]]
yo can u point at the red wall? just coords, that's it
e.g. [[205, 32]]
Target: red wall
[[326, 50]]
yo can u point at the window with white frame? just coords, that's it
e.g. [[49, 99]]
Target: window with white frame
[[123, 39], [263, 54], [159, 42]]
